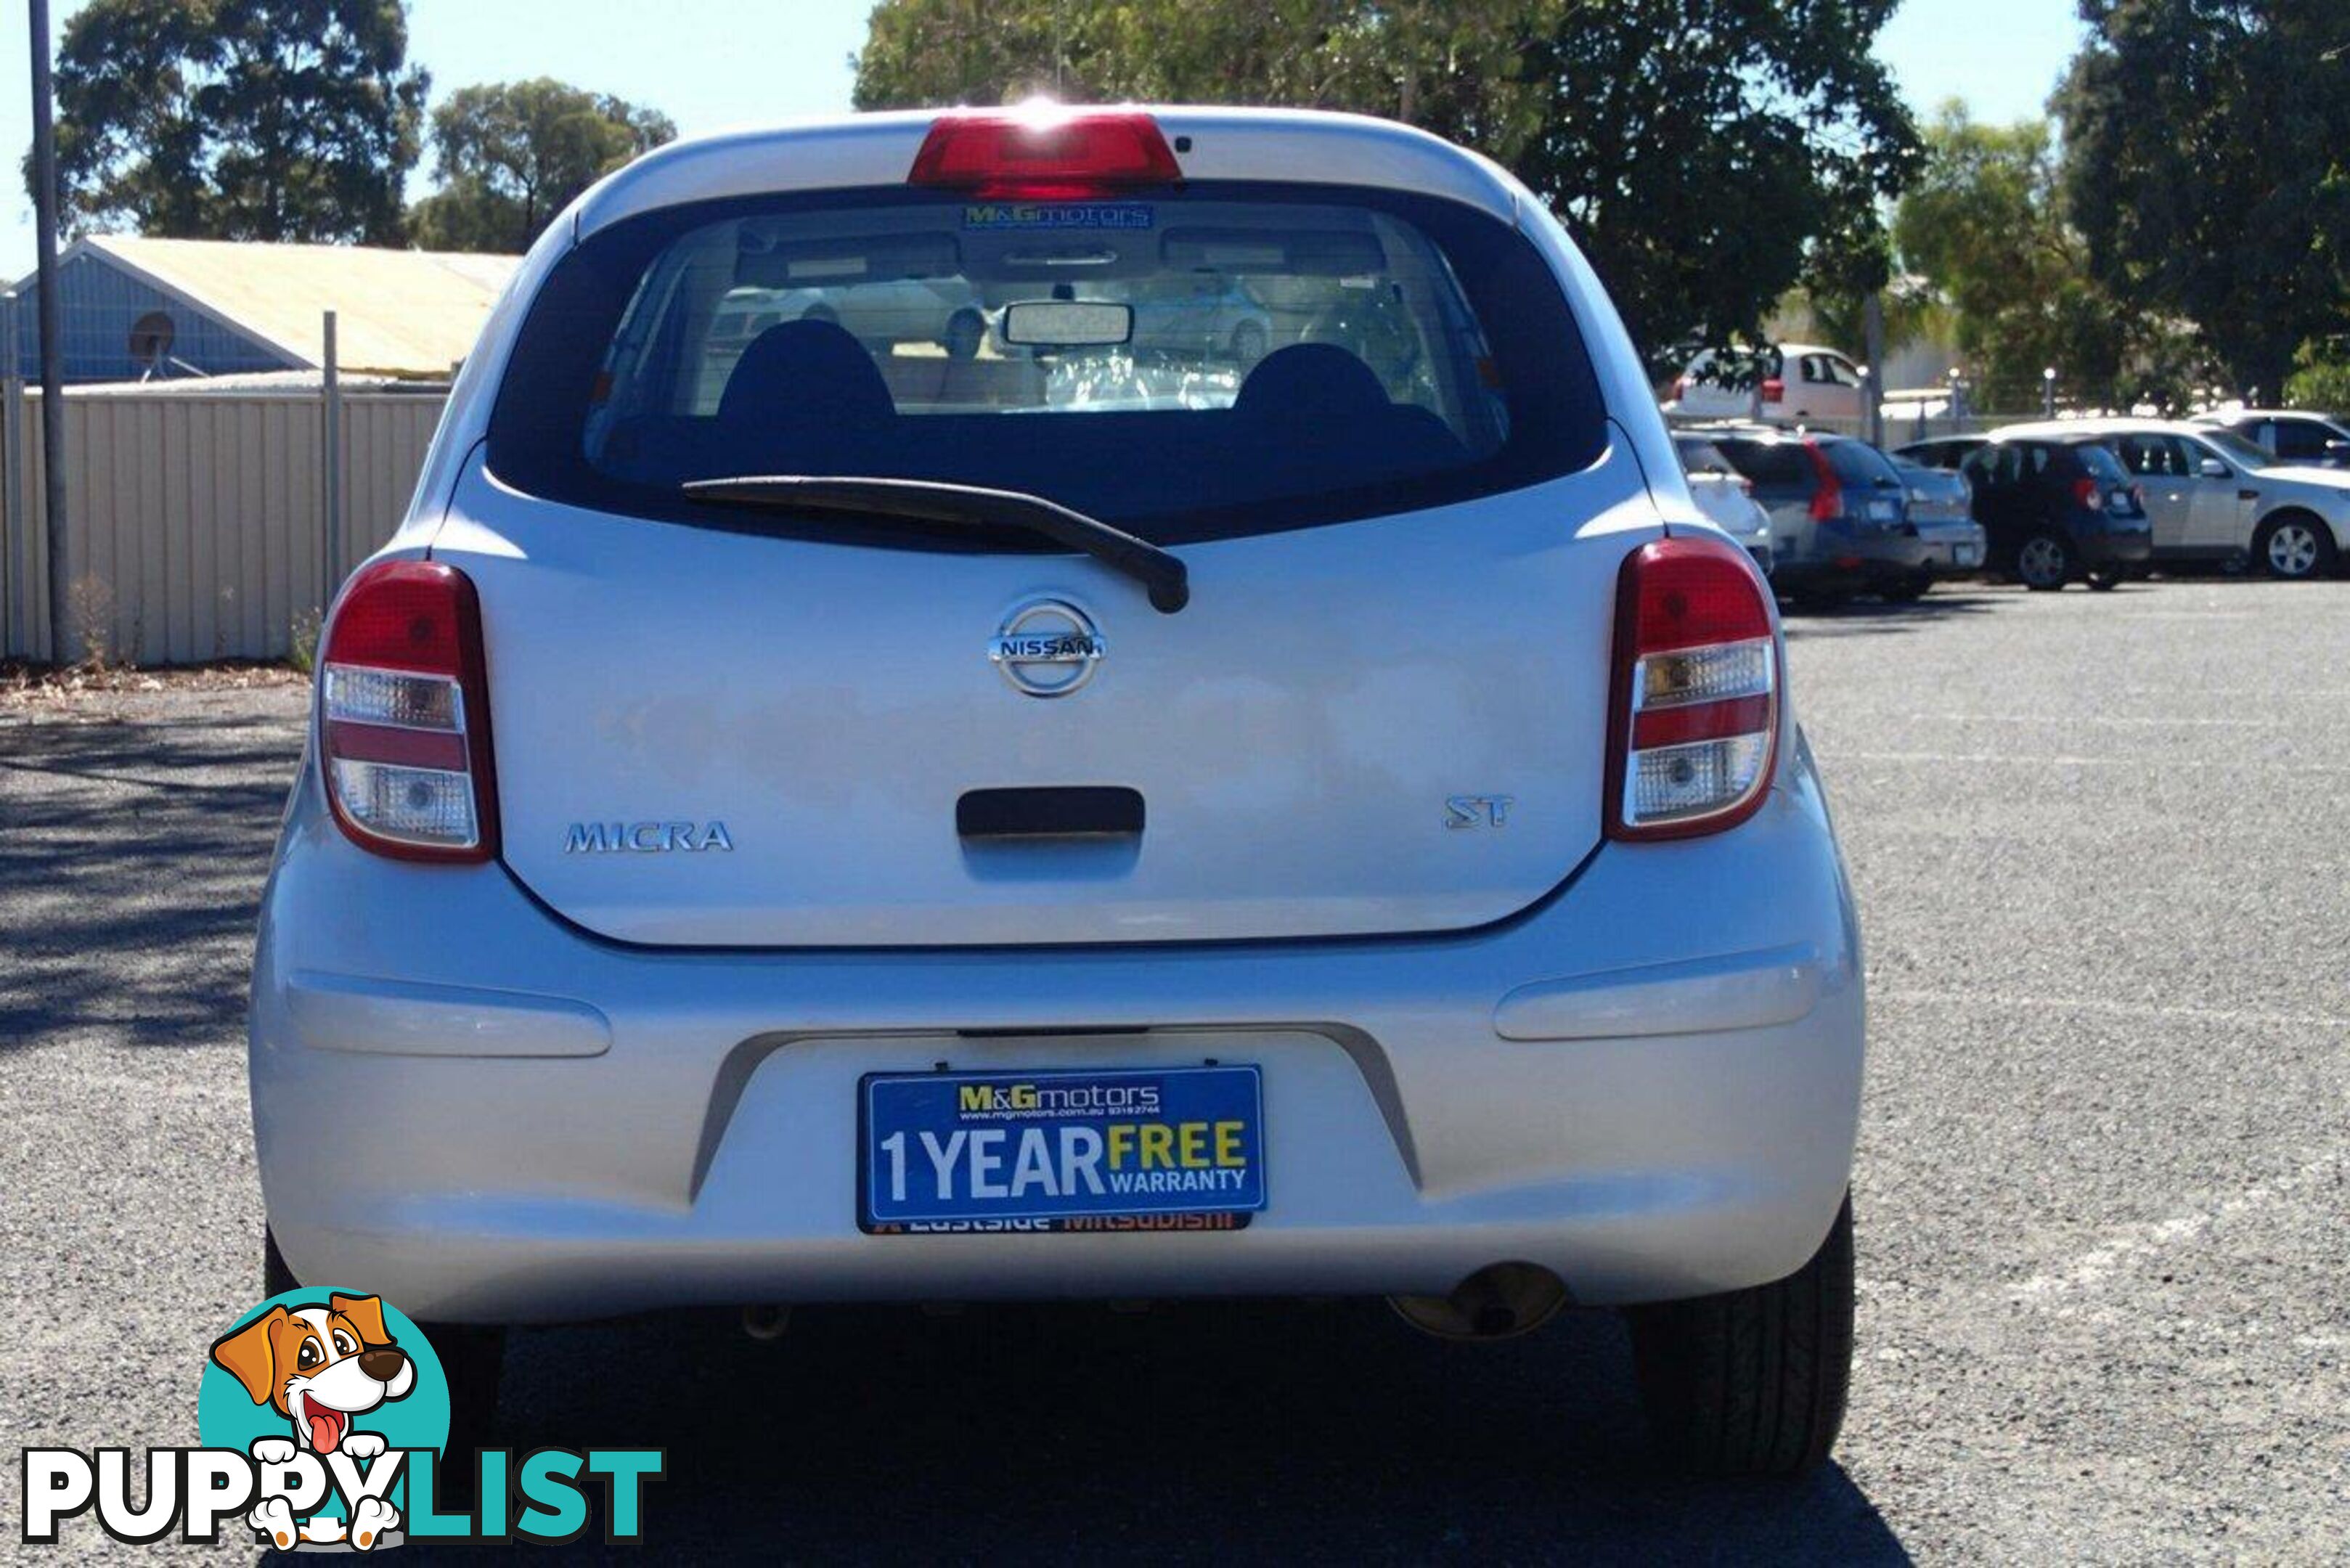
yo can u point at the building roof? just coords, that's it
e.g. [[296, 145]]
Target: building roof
[[397, 313]]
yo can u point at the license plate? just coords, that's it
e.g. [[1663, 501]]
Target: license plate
[[1883, 511], [1967, 556], [1163, 1149]]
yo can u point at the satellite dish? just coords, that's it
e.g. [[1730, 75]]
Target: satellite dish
[[151, 341]]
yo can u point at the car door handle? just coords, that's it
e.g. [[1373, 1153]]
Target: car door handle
[[2248, 495]]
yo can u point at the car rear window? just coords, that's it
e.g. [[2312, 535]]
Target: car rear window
[[1858, 463], [1775, 464], [1218, 360], [2101, 464]]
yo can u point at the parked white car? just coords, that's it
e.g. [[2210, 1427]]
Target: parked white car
[[843, 843], [2290, 435], [1726, 496], [2213, 495], [1786, 383]]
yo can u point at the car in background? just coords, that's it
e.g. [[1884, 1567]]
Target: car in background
[[1798, 381], [1942, 451], [1198, 316], [881, 314], [1726, 496], [1839, 513], [2290, 435], [1941, 508], [2215, 496], [2056, 506]]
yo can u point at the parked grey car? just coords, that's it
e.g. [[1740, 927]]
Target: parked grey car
[[1941, 508], [1839, 513]]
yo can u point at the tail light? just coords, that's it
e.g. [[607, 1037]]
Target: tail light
[[1827, 501], [1774, 390], [404, 715], [2085, 494], [1045, 153], [1695, 722], [1680, 387]]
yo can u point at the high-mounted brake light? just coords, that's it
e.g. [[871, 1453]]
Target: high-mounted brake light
[[1045, 152], [1694, 726], [404, 715], [1827, 501]]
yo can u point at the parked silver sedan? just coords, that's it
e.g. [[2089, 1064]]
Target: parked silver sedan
[[1941, 508]]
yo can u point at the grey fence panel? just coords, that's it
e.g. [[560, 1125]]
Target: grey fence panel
[[198, 521]]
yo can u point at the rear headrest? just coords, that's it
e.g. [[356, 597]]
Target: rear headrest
[[803, 371], [1309, 381]]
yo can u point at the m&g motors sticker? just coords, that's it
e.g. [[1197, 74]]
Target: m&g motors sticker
[[1059, 215]]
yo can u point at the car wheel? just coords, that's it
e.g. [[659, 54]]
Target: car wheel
[[1248, 344], [472, 1362], [1909, 589], [276, 1279], [1753, 1382], [2045, 562], [2295, 547], [964, 329]]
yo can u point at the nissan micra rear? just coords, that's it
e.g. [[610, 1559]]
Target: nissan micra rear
[[814, 806]]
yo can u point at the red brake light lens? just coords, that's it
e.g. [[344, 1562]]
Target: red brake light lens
[[403, 714], [1774, 390], [1045, 153], [1695, 720], [1827, 501], [2084, 492]]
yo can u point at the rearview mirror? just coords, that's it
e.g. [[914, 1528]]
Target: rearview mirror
[[1066, 322], [2339, 451], [2213, 468]]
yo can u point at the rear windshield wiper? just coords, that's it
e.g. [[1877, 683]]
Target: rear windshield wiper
[[963, 506]]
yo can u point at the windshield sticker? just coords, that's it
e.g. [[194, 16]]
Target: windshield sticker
[[1059, 215]]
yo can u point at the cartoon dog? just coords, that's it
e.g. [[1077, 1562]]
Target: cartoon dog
[[320, 1367]]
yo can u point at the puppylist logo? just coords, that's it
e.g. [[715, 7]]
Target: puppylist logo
[[323, 1418]]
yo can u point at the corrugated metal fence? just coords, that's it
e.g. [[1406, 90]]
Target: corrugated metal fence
[[198, 521]]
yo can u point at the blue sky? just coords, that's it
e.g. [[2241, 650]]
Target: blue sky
[[715, 63]]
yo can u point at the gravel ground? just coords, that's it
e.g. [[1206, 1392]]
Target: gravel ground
[[2105, 1285]]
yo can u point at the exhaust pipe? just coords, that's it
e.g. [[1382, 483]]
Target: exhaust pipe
[[766, 1322], [1500, 1301]]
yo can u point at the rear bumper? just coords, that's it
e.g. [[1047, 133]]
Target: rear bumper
[[2116, 548], [1649, 1087]]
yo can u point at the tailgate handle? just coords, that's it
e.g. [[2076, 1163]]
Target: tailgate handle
[[1052, 811]]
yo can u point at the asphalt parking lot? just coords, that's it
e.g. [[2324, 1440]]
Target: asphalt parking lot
[[2104, 1269]]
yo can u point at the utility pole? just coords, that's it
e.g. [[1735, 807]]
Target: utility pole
[[53, 396]]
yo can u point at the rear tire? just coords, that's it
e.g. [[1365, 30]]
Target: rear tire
[[2045, 562], [964, 331], [1752, 1383], [1909, 589], [2295, 547], [472, 1362]]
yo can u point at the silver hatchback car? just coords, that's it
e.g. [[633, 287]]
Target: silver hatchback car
[[820, 818]]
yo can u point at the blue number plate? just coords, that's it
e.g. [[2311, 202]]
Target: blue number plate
[[1178, 1148]]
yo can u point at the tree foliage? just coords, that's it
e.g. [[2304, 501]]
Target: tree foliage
[[511, 155], [1984, 224], [246, 119], [1706, 153], [2208, 168]]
